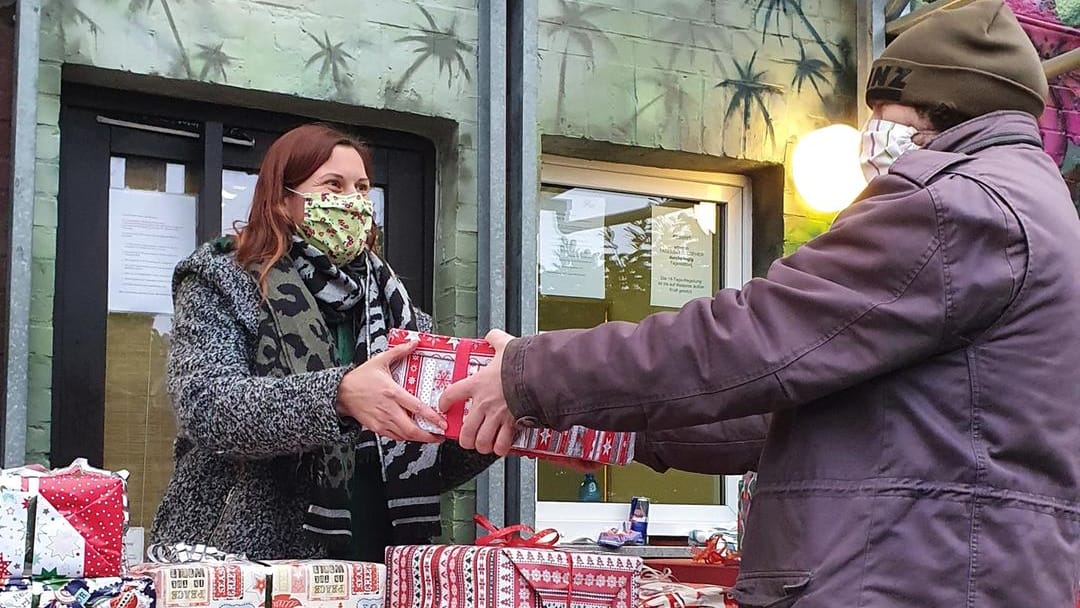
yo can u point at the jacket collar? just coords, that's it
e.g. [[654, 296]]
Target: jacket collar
[[997, 128]]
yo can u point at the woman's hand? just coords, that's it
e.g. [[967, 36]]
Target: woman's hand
[[370, 395]]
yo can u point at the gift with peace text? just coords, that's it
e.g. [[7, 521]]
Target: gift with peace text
[[271, 584]]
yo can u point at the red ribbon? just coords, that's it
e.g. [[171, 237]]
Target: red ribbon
[[514, 536], [455, 416], [710, 554]]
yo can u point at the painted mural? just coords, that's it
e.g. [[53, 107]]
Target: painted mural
[[317, 54], [1052, 27], [736, 78]]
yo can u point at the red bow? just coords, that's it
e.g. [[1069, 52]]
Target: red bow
[[710, 554], [512, 536]]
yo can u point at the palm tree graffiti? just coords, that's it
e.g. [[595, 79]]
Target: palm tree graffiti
[[68, 18], [573, 23], [692, 34], [215, 60], [334, 59], [807, 70], [441, 45], [749, 91], [675, 102], [779, 8], [144, 6]]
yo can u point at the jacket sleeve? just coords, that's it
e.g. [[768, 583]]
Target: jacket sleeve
[[867, 297], [727, 447], [221, 406]]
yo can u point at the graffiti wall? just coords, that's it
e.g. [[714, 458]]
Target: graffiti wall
[[1053, 29]]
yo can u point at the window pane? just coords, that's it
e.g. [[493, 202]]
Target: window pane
[[152, 217], [237, 189], [615, 256]]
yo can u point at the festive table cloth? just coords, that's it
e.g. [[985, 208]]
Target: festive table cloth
[[113, 592], [78, 516], [439, 361], [508, 577], [271, 584]]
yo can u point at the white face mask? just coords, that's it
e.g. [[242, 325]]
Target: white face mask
[[882, 143]]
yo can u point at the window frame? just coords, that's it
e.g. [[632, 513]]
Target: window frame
[[736, 213]]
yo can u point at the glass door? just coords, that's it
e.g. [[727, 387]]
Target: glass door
[[618, 243], [152, 224]]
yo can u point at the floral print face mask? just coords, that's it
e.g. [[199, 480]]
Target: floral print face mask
[[336, 224]]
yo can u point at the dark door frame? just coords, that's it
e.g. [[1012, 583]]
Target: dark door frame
[[404, 165]]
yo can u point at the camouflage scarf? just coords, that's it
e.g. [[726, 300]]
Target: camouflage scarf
[[305, 291]]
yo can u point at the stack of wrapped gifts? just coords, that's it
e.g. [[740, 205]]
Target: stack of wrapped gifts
[[62, 546], [62, 540], [439, 361]]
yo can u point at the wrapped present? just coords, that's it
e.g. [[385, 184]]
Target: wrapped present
[[507, 570], [79, 517], [661, 589], [508, 577], [112, 592], [439, 361], [16, 593], [15, 509], [271, 584]]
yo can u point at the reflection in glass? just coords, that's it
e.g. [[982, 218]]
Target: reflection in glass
[[615, 256]]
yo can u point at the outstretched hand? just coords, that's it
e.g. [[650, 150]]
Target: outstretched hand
[[489, 425]]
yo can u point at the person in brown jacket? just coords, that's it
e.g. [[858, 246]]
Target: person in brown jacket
[[919, 360]]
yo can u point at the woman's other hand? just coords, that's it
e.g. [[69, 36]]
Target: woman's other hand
[[369, 395]]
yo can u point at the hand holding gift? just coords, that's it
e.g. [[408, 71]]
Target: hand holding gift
[[464, 376], [369, 395], [489, 426]]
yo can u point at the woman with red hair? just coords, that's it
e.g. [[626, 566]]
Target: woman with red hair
[[293, 439]]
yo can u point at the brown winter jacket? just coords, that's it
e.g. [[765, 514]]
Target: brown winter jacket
[[920, 361]]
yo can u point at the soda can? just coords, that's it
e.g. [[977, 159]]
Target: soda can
[[639, 517]]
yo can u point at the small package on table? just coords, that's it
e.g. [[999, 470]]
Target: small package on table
[[16, 593], [439, 361], [112, 592], [270, 584], [508, 577], [78, 516]]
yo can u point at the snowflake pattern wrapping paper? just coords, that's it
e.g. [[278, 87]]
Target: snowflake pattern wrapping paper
[[271, 584], [439, 361], [79, 517], [502, 577]]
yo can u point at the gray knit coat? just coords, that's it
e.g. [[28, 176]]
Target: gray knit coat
[[237, 483]]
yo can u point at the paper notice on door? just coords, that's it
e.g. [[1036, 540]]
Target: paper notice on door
[[149, 233], [572, 247], [682, 257]]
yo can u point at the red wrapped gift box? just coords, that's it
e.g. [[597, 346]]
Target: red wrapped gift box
[[439, 361], [80, 517], [506, 577]]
